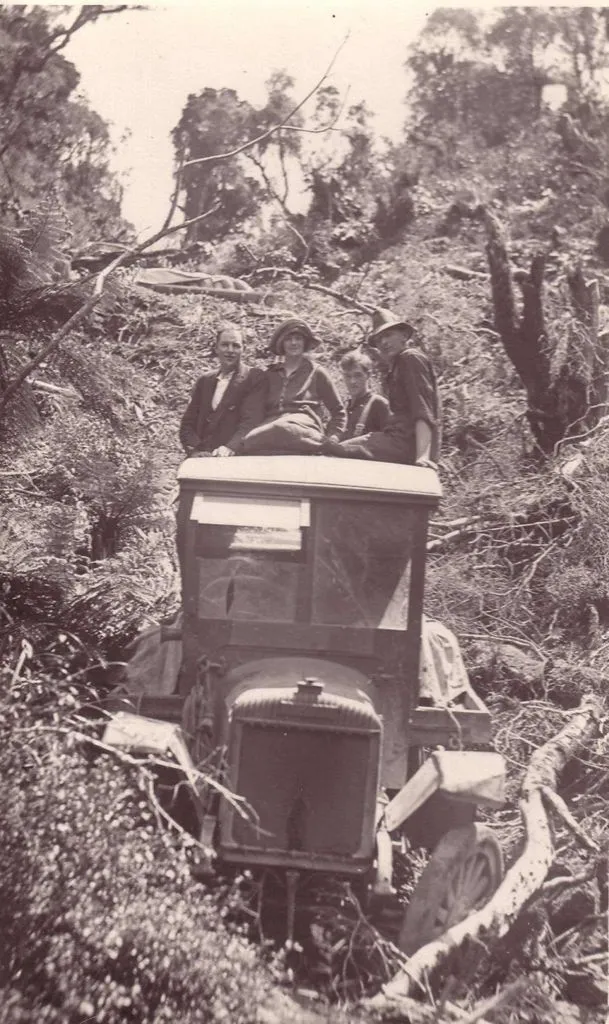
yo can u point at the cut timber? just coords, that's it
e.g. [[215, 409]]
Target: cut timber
[[525, 877], [464, 273]]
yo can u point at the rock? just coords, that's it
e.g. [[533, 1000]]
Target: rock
[[495, 665], [570, 906], [587, 987]]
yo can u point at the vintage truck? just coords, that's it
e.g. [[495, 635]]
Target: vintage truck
[[315, 689]]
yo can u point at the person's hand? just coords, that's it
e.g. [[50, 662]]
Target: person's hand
[[223, 450], [426, 463]]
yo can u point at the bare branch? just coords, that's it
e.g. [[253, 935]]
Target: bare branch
[[87, 15], [302, 241], [175, 194], [275, 128]]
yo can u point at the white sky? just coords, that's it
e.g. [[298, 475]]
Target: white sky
[[137, 69]]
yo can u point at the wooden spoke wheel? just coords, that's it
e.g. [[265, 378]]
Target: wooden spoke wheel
[[462, 874]]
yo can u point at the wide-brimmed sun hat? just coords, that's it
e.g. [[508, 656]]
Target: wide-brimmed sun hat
[[384, 320], [287, 327]]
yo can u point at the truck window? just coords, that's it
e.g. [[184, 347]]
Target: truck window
[[250, 555], [361, 574]]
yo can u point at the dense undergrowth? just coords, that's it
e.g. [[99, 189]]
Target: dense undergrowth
[[99, 915]]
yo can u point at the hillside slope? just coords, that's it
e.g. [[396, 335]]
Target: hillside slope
[[518, 568]]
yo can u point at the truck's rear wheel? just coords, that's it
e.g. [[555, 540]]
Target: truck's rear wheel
[[462, 874]]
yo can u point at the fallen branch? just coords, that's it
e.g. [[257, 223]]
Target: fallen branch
[[463, 531], [500, 998], [464, 273], [565, 881], [345, 300], [527, 874], [54, 389], [557, 803]]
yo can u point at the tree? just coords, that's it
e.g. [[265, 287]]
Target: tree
[[217, 120], [211, 122], [51, 141], [486, 71]]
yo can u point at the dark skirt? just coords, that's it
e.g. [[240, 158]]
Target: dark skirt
[[291, 433], [380, 445]]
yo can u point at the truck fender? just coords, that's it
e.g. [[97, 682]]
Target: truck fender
[[474, 776]]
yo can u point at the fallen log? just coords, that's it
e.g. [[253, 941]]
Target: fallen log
[[527, 874], [53, 389], [464, 273]]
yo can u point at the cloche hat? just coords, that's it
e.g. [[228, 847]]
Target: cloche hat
[[384, 320], [293, 324]]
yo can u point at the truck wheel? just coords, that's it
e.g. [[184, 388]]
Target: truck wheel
[[462, 874]]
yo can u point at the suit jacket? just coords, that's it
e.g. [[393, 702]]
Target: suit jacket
[[241, 408]]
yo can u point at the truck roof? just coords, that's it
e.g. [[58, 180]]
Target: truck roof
[[311, 474]]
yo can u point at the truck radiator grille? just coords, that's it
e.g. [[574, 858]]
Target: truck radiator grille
[[307, 787]]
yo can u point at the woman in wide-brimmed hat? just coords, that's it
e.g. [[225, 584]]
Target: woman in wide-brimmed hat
[[299, 395], [412, 433]]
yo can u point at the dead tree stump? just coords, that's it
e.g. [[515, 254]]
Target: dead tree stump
[[565, 379]]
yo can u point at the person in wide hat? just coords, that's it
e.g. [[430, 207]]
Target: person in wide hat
[[412, 433], [384, 320], [299, 396]]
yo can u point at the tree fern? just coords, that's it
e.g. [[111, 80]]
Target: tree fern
[[45, 235], [14, 267]]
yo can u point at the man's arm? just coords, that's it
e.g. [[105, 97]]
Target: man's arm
[[251, 409], [419, 381], [423, 439], [188, 426]]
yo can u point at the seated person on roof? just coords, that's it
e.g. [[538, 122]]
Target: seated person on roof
[[297, 391], [225, 403], [412, 433], [366, 410]]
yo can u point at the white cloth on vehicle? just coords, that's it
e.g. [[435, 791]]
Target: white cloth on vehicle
[[442, 673]]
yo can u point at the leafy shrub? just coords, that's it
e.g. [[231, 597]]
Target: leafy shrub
[[99, 917]]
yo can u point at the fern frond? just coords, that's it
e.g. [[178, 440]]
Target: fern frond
[[14, 266], [46, 235]]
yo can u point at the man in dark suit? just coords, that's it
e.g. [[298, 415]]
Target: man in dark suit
[[225, 403]]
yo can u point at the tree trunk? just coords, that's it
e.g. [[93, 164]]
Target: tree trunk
[[566, 384]]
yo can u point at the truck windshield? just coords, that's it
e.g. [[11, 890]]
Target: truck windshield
[[269, 561], [362, 565]]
